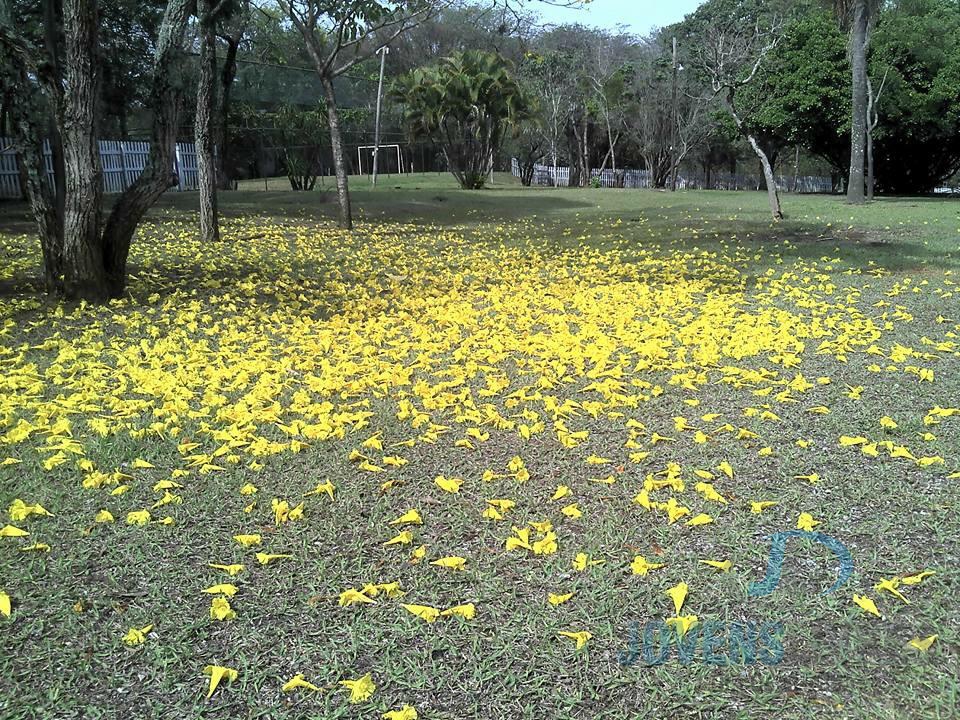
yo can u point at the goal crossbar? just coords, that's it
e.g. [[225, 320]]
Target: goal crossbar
[[361, 148]]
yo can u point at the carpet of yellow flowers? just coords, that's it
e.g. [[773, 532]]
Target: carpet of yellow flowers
[[440, 472]]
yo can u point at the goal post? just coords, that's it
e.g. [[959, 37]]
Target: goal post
[[391, 149]]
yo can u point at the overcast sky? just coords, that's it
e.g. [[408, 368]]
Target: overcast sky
[[640, 16]]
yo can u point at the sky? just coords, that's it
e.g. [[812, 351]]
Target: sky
[[640, 16]]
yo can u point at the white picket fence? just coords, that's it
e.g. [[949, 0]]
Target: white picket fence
[[560, 177], [122, 163]]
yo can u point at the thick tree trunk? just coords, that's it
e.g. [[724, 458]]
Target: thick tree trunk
[[83, 269], [203, 125], [336, 142], [158, 175], [858, 126]]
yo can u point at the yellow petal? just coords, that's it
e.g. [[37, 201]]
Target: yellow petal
[[218, 673], [867, 604]]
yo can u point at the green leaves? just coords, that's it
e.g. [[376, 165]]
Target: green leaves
[[466, 103]]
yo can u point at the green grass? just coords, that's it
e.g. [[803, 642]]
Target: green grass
[[895, 517]]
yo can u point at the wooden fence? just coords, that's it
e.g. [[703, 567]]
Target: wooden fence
[[560, 177], [122, 162]]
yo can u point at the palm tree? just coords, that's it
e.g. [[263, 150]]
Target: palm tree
[[466, 103]]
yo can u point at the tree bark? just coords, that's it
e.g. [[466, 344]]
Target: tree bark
[[858, 125], [336, 142], [772, 195], [203, 125], [84, 276], [157, 176]]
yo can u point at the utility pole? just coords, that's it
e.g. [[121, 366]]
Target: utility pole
[[383, 52], [673, 123]]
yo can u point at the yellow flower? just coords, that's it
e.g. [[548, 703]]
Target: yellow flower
[[581, 638], [217, 673], [640, 565], [220, 609], [231, 570], [467, 611], [678, 593], [451, 563], [424, 612], [404, 713], [866, 604], [298, 683], [361, 689], [723, 566], [137, 636]]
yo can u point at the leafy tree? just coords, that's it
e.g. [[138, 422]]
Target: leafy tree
[[800, 94], [733, 40], [338, 35], [466, 103], [917, 45]]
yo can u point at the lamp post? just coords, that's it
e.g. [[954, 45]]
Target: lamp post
[[383, 52]]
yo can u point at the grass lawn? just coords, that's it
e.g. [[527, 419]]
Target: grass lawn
[[465, 452]]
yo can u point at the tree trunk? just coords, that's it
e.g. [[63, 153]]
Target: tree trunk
[[336, 142], [203, 125], [83, 270], [770, 180], [52, 33], [585, 178], [158, 175], [870, 127], [858, 126], [227, 75]]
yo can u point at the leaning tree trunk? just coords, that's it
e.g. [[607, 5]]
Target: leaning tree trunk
[[203, 125], [858, 126], [83, 269], [158, 175], [336, 142], [772, 195]]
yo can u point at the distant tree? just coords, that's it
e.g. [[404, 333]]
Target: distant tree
[[916, 43], [732, 40], [467, 103], [209, 14], [655, 121], [800, 96], [338, 35], [858, 16], [547, 75]]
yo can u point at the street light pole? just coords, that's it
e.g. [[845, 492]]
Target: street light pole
[[673, 123], [383, 52]]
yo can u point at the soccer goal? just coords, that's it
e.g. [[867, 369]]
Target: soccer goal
[[390, 163]]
